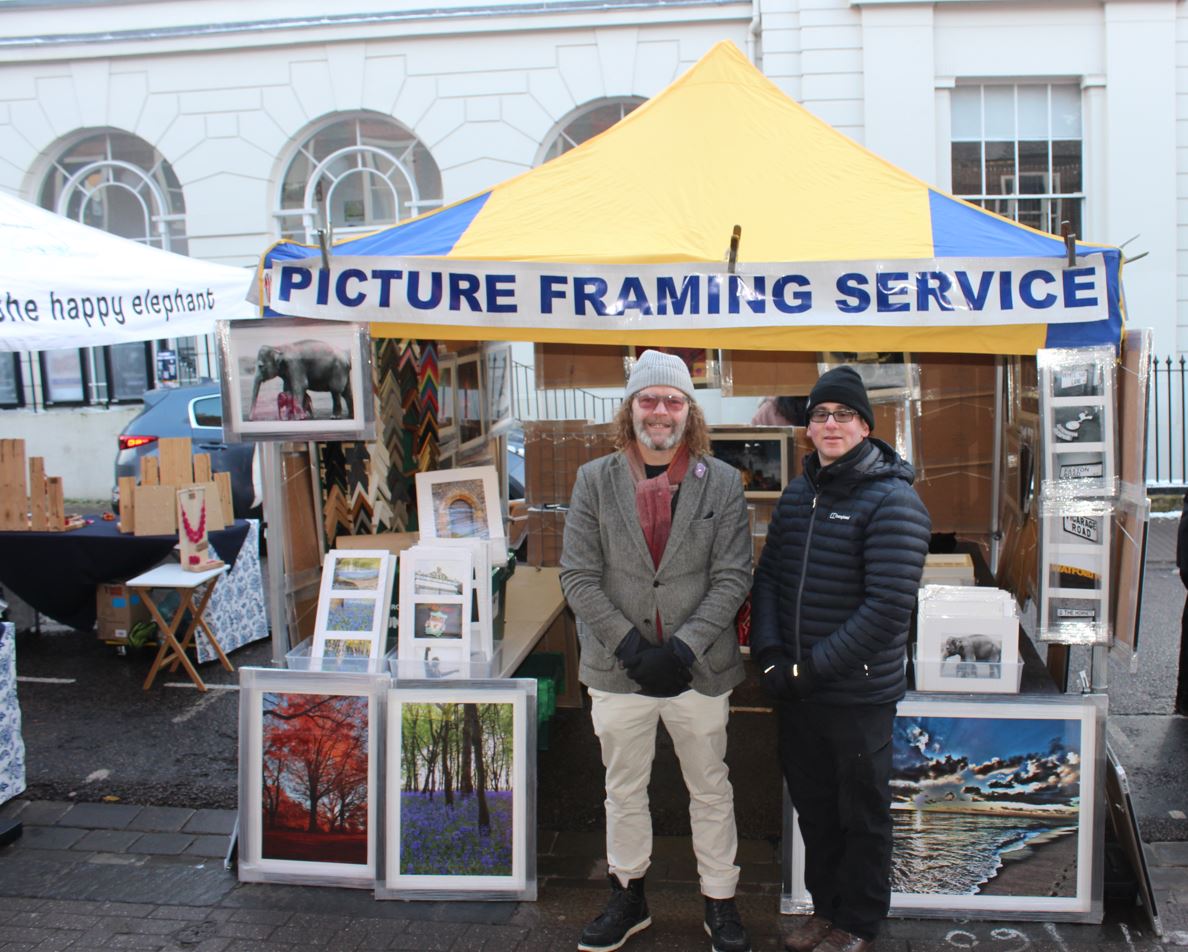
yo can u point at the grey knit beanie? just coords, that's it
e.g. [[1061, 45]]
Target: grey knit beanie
[[654, 369]]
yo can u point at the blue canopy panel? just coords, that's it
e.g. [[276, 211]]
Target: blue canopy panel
[[432, 234], [964, 231]]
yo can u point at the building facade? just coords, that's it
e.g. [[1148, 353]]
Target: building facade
[[214, 128]]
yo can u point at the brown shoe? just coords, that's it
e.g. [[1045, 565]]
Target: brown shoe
[[807, 934], [839, 940]]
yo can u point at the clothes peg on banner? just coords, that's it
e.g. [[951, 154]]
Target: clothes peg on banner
[[1070, 242], [324, 244], [732, 260]]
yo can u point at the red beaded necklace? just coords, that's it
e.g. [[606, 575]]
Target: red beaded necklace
[[194, 535]]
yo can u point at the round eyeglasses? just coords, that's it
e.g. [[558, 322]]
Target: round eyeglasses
[[841, 415], [649, 401]]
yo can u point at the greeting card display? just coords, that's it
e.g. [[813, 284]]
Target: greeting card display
[[352, 617], [1074, 571], [436, 584], [967, 640], [459, 504], [1076, 390]]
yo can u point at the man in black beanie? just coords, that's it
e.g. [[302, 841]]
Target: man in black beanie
[[831, 607]]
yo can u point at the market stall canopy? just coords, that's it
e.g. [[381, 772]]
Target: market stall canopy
[[625, 238], [65, 284]]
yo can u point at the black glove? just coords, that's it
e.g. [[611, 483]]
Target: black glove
[[781, 683], [657, 669]]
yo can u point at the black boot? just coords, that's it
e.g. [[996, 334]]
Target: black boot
[[725, 927], [625, 915]]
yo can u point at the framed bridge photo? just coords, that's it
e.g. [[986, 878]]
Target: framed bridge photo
[[295, 379]]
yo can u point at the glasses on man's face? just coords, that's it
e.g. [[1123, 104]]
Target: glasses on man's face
[[649, 401], [841, 415]]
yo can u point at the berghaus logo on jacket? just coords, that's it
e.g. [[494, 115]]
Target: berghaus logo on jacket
[[844, 517]]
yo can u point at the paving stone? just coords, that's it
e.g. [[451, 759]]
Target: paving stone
[[248, 930], [161, 819], [1170, 854], [272, 917], [208, 846], [49, 838], [107, 841], [44, 812], [171, 844], [53, 920], [12, 809], [211, 821], [100, 816]]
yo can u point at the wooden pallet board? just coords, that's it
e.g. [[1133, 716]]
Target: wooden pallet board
[[202, 472], [55, 503], [127, 503], [156, 510], [150, 471], [38, 495], [14, 500], [176, 460]]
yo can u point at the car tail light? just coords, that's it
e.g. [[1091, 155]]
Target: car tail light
[[131, 442]]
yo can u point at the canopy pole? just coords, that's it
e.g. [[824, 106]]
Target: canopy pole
[[732, 258]]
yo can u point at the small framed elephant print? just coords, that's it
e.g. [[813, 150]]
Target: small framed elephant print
[[295, 379]]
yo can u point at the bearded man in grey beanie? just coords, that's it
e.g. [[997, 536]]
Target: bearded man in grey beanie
[[830, 612], [655, 564]]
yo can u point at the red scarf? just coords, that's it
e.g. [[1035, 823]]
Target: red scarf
[[653, 503]]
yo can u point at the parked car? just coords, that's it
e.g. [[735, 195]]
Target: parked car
[[196, 412]]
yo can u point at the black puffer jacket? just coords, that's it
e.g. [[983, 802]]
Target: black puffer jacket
[[838, 577]]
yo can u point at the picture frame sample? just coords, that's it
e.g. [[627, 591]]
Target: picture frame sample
[[309, 819], [469, 833], [974, 655], [295, 379], [482, 622], [459, 504], [447, 419], [353, 605], [436, 583], [1077, 419], [497, 376], [997, 806], [885, 375], [761, 458], [470, 404]]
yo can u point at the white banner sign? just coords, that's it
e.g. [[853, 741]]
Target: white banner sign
[[943, 292]]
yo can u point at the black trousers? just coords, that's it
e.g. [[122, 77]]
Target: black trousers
[[837, 763], [1181, 702]]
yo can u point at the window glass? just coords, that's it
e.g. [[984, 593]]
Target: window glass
[[1033, 112], [63, 376], [999, 119], [11, 394], [967, 168], [129, 375], [1066, 112], [208, 411], [967, 112], [587, 122], [367, 170]]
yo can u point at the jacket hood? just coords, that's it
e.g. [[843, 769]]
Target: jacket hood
[[870, 459]]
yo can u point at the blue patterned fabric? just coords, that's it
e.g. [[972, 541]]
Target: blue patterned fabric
[[12, 744], [236, 612]]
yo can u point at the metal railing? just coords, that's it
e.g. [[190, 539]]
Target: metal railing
[[558, 404], [1167, 448]]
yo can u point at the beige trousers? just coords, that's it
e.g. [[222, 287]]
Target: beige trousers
[[626, 727]]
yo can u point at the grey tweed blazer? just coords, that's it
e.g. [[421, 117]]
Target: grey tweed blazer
[[611, 585]]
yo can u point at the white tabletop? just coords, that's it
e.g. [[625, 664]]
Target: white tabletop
[[172, 575]]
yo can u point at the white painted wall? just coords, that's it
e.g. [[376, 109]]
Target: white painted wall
[[78, 444]]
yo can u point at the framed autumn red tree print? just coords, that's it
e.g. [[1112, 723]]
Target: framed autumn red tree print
[[308, 776]]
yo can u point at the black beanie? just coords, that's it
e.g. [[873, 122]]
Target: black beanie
[[842, 385]]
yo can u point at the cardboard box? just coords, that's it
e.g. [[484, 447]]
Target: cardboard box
[[118, 609]]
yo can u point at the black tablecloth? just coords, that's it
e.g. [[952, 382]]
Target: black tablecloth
[[57, 572]]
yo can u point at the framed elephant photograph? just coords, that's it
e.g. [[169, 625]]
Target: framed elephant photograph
[[295, 379]]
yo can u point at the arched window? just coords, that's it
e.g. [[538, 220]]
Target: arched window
[[586, 122], [118, 183], [367, 170]]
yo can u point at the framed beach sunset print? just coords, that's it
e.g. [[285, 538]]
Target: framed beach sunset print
[[308, 776], [460, 791], [996, 806]]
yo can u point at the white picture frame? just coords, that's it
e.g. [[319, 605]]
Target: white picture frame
[[436, 586], [274, 803], [1075, 548], [482, 637], [470, 403], [352, 617], [1061, 735], [447, 392], [459, 504], [1077, 419], [971, 655], [431, 848], [276, 384], [499, 387]]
